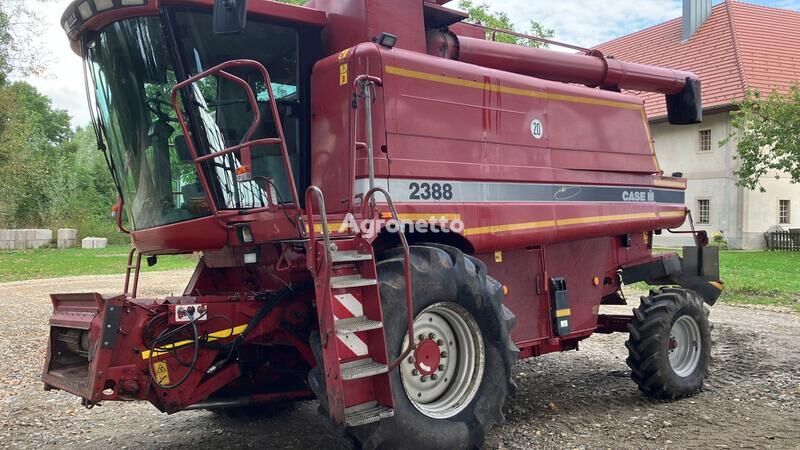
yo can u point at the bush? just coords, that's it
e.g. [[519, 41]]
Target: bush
[[718, 240]]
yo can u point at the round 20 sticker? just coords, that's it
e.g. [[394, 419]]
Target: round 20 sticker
[[537, 129]]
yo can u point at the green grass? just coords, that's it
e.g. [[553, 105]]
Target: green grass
[[759, 278], [53, 263]]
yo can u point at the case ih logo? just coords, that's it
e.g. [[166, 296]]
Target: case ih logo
[[638, 196]]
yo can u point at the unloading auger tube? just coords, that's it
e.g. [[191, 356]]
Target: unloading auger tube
[[682, 88]]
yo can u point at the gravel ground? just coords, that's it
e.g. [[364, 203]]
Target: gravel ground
[[581, 399]]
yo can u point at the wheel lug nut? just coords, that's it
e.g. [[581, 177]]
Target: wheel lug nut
[[443, 355], [411, 360], [441, 368], [424, 379], [440, 342], [415, 372], [421, 337], [432, 336], [434, 377]]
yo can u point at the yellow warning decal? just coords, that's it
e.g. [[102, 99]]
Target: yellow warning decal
[[498, 257], [563, 313], [217, 335], [161, 373], [344, 54], [343, 76]]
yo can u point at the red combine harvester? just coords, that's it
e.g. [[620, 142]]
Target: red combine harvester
[[519, 189]]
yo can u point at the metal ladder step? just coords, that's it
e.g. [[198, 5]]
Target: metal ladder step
[[347, 256], [356, 324], [351, 281], [362, 369], [366, 413]]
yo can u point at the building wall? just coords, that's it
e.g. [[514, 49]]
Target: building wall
[[741, 216], [761, 210]]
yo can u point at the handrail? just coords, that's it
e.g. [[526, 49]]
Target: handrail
[[245, 143], [407, 266], [120, 206], [367, 83], [326, 235], [128, 269]]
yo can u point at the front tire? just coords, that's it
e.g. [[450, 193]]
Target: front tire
[[670, 344], [456, 289], [460, 305]]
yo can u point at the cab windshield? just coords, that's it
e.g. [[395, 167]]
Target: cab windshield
[[134, 67]]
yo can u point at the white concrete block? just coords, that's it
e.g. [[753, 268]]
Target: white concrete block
[[44, 235], [38, 243], [87, 243], [6, 245], [67, 233], [6, 235], [94, 242], [67, 238], [66, 243]]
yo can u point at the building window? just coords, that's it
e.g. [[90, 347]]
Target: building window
[[784, 212], [705, 141], [703, 212]]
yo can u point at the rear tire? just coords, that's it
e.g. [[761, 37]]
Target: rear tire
[[457, 289], [669, 344]]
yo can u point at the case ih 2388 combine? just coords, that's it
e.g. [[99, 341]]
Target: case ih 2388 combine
[[526, 182]]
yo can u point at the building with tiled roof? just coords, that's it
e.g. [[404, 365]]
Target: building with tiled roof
[[733, 47]]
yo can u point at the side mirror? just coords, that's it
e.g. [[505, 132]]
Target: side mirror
[[230, 16]]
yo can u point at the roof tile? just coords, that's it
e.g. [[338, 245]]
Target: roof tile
[[741, 46]]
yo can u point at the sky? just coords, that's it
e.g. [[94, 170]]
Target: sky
[[580, 22]]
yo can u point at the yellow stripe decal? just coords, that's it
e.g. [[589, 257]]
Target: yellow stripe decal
[[670, 184], [217, 335], [554, 223], [599, 219], [672, 214], [452, 81], [491, 229], [563, 313], [334, 227]]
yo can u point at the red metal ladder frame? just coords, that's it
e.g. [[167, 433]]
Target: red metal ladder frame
[[349, 406], [246, 143]]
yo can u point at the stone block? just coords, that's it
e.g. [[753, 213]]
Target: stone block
[[38, 243], [44, 235], [93, 242], [67, 238], [67, 233]]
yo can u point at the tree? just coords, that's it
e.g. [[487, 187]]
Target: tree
[[22, 49], [483, 15], [767, 133]]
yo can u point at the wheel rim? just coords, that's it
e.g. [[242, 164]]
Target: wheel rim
[[444, 372], [684, 346]]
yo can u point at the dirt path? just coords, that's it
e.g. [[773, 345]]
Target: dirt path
[[579, 399]]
